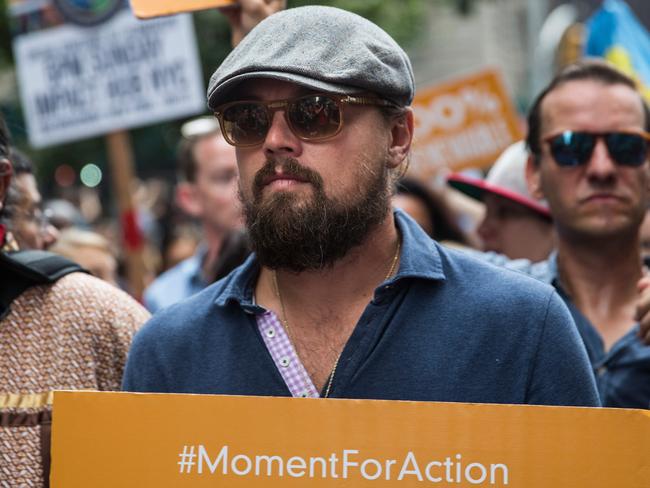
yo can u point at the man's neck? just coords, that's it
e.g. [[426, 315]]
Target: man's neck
[[321, 308], [600, 277]]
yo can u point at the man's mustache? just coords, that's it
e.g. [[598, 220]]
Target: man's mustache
[[289, 167]]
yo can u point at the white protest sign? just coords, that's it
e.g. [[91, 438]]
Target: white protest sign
[[78, 82]]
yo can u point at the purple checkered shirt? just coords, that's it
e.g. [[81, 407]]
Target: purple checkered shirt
[[284, 356]]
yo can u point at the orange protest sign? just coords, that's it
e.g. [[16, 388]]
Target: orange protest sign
[[145, 9], [463, 123], [141, 440]]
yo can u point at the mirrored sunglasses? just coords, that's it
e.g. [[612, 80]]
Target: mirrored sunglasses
[[574, 148], [311, 118]]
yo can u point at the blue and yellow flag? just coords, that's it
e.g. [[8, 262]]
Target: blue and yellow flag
[[614, 33]]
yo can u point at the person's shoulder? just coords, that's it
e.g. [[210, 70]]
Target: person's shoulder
[[183, 270], [190, 312], [175, 331], [81, 291], [212, 305], [488, 277], [172, 285], [88, 286], [80, 302], [543, 271]]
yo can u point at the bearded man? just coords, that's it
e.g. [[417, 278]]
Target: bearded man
[[343, 297]]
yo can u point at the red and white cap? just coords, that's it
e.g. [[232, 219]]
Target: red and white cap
[[507, 178]]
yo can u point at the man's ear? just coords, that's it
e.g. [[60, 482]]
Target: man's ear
[[533, 179], [401, 138], [187, 200]]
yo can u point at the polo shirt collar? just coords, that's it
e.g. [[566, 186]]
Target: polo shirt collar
[[420, 256], [240, 284]]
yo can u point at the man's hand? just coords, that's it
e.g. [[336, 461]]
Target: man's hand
[[643, 309], [246, 14]]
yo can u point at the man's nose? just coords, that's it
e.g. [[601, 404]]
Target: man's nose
[[601, 166], [280, 139]]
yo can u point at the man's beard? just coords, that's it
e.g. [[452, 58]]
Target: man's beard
[[313, 234]]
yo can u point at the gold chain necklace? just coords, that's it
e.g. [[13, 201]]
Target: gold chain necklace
[[285, 322]]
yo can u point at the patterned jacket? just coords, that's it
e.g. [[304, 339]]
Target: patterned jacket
[[73, 334]]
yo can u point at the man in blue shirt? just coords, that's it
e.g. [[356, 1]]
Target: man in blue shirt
[[588, 141], [343, 297], [208, 192], [588, 138]]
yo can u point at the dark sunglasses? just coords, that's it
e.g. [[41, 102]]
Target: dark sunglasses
[[574, 148], [311, 117]]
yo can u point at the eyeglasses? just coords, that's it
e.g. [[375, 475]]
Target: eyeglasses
[[36, 216], [311, 118], [574, 148]]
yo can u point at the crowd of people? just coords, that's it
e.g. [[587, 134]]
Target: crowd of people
[[321, 270]]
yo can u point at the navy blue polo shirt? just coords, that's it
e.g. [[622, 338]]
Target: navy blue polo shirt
[[622, 372], [445, 327]]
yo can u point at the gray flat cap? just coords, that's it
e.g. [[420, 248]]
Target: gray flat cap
[[323, 48]]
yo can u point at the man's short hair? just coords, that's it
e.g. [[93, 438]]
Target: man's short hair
[[193, 131], [186, 161], [589, 69]]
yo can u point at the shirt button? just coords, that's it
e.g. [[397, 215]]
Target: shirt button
[[602, 370], [270, 332], [304, 394], [284, 361]]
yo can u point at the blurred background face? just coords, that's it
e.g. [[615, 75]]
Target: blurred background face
[[28, 224], [438, 213], [213, 194], [512, 229]]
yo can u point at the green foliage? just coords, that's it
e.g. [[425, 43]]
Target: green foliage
[[6, 55], [402, 19], [213, 39]]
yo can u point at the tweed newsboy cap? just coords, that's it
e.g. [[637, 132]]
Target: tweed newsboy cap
[[322, 48]]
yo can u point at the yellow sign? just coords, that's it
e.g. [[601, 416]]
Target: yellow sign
[[145, 440], [145, 9], [463, 123]]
